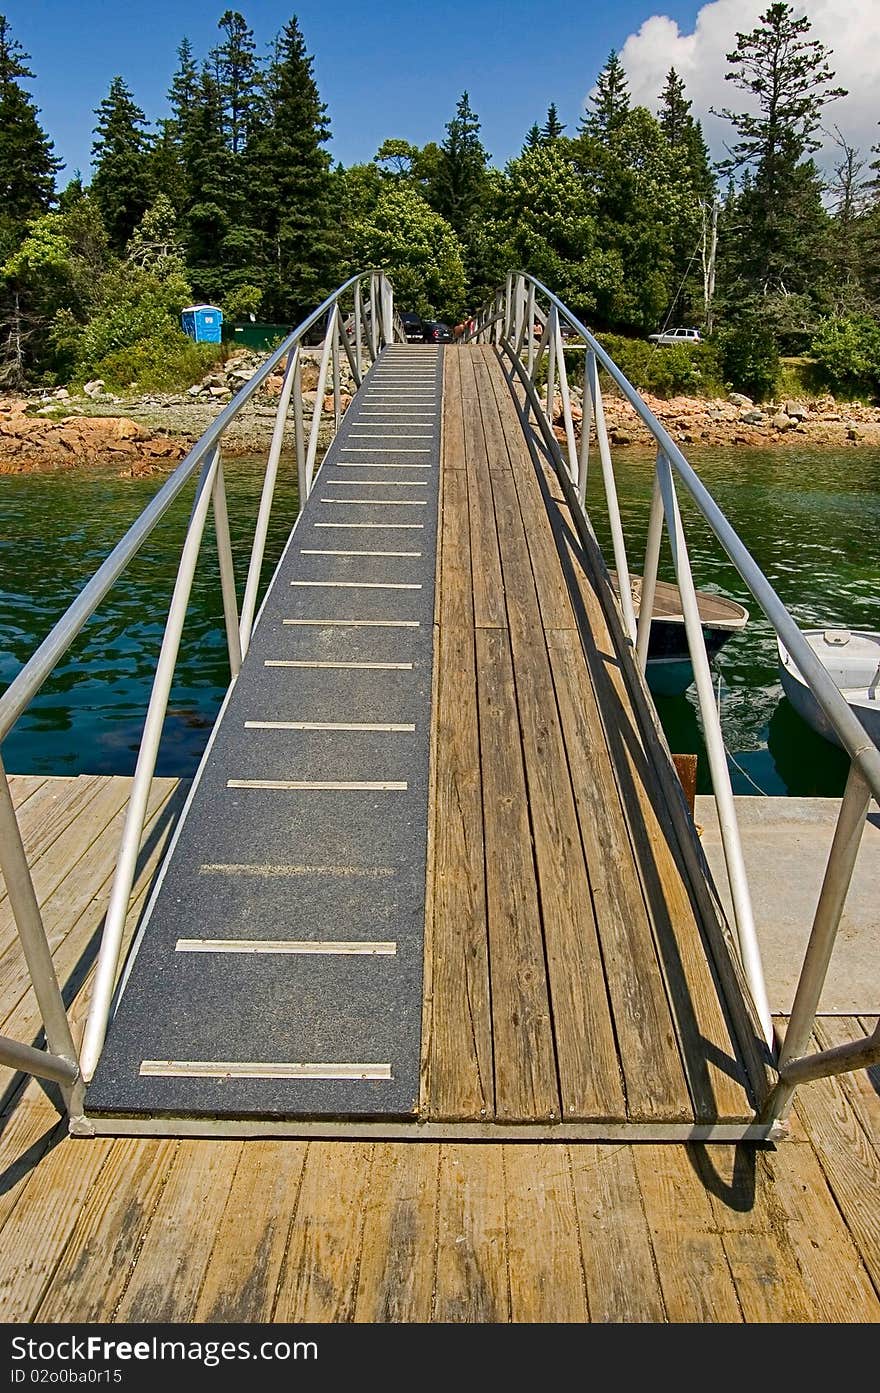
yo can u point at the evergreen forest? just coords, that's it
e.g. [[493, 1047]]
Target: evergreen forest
[[232, 198]]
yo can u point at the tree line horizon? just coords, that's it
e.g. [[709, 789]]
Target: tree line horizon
[[232, 198]]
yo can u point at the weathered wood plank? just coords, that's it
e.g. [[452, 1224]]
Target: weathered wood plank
[[54, 806], [40, 1224], [586, 1054], [456, 585], [244, 1268], [488, 589], [647, 753], [75, 954], [739, 1182], [655, 1081], [396, 1278], [167, 1279], [525, 1068], [694, 1273], [458, 1046], [543, 1248], [556, 606], [849, 1159], [471, 1282], [832, 1268], [618, 1260], [497, 457], [66, 878], [862, 1087], [29, 1129], [453, 428], [320, 1275], [110, 1227], [709, 1046]]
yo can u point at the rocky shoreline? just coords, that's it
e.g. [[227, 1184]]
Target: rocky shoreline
[[145, 433]]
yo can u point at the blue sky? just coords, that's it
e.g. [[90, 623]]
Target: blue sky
[[384, 69]]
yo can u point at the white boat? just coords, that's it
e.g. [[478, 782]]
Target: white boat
[[852, 660]]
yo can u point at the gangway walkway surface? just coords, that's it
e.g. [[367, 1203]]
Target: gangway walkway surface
[[279, 969], [522, 829]]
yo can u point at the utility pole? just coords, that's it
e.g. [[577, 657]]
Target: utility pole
[[710, 249]]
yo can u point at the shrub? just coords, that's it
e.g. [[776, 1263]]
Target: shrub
[[847, 350], [750, 357], [166, 362], [662, 370]]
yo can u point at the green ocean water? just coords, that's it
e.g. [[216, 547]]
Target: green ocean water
[[810, 518]]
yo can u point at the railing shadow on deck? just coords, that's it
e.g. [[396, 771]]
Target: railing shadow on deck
[[627, 748], [528, 326]]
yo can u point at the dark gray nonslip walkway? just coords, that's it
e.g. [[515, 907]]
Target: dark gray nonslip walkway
[[279, 970]]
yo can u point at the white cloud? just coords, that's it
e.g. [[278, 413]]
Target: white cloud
[[851, 28]]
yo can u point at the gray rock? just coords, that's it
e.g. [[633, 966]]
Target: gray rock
[[754, 417], [781, 421], [737, 399], [796, 410], [94, 389], [61, 394]]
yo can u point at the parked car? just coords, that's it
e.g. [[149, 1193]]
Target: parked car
[[677, 336], [435, 332], [412, 326]]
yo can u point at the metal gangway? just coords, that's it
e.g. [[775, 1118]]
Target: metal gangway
[[480, 418]]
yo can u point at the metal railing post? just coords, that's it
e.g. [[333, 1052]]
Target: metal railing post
[[312, 454], [299, 436], [337, 403], [586, 428], [32, 934], [227, 569], [261, 530], [566, 405], [359, 331], [373, 337], [649, 573], [123, 879], [744, 921], [530, 330], [826, 922], [624, 583]]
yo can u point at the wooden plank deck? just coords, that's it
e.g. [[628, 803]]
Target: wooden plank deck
[[573, 978], [145, 1229]]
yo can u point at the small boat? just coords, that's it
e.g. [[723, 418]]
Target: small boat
[[852, 660], [669, 664]]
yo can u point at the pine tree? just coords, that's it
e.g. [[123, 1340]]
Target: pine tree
[[674, 115], [685, 134], [121, 182], [235, 65], [611, 104], [533, 138], [27, 164], [462, 181], [291, 186], [789, 79], [552, 128], [210, 190], [168, 171]]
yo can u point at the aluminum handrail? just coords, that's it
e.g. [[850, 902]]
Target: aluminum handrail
[[850, 730], [374, 326], [509, 320], [39, 666]]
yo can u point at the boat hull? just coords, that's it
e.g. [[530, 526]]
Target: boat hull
[[858, 693], [669, 671]]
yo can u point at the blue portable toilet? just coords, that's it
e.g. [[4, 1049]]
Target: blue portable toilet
[[204, 323]]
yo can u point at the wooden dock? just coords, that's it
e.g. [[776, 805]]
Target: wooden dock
[[582, 1016], [186, 1229]]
